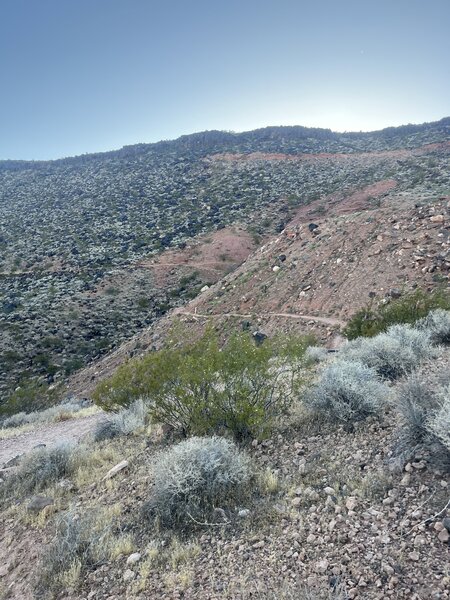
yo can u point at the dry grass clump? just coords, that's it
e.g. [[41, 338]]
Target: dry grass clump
[[81, 542], [124, 422], [196, 476], [37, 470], [347, 391]]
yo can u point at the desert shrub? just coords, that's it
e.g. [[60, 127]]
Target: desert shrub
[[370, 320], [203, 387], [316, 354], [124, 422], [347, 391], [437, 324], [37, 470], [415, 401], [438, 424], [194, 477], [392, 354]]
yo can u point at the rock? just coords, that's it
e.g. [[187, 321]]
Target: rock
[[205, 288], [322, 566], [296, 501], [243, 513], [259, 337], [395, 293], [129, 575], [415, 556], [276, 268], [13, 462], [437, 219], [312, 227], [134, 558], [38, 503], [446, 523], [351, 502], [282, 257], [119, 467], [444, 536], [329, 491]]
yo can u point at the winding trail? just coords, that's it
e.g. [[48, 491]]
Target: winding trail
[[50, 434], [324, 320]]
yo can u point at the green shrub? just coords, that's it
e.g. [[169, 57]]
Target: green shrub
[[370, 321], [347, 391], [201, 387], [194, 477]]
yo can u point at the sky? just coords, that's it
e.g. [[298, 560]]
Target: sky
[[81, 76]]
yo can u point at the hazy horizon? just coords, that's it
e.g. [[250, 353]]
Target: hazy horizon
[[94, 76]]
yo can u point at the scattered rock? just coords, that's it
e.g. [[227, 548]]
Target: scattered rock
[[116, 469], [38, 503]]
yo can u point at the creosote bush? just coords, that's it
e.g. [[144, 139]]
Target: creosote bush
[[193, 478], [411, 307], [347, 391], [316, 354], [203, 387], [392, 354]]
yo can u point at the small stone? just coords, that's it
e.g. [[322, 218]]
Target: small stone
[[446, 523], [414, 556], [329, 491], [116, 469], [352, 593], [351, 502], [311, 538], [322, 566], [134, 558], [296, 501], [444, 536], [128, 575], [275, 269], [243, 513], [437, 219], [205, 288], [38, 503]]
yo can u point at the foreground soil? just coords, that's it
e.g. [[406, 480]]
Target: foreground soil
[[342, 513]]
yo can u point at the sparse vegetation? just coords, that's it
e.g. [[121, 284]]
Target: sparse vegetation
[[193, 478], [371, 320]]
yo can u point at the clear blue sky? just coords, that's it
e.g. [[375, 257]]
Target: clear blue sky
[[90, 75]]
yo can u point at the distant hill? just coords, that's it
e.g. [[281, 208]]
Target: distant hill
[[75, 232]]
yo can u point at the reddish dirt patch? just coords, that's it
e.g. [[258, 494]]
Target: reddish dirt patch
[[341, 204], [211, 255]]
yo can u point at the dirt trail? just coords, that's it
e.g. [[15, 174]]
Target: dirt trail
[[325, 320], [50, 435]]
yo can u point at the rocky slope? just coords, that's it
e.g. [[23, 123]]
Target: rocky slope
[[78, 236]]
